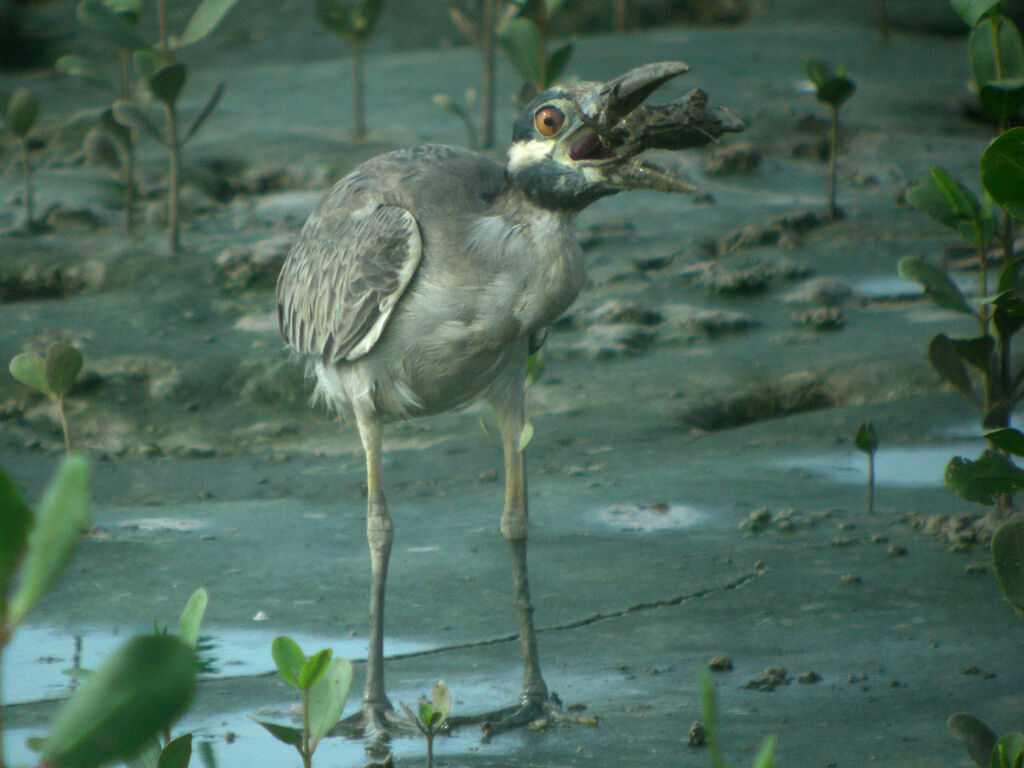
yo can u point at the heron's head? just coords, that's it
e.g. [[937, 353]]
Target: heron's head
[[572, 145]]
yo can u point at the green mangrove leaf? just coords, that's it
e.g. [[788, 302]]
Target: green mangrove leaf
[[327, 698], [81, 67], [557, 63], [205, 112], [818, 71], [100, 149], [177, 753], [1007, 439], [365, 15], [147, 757], [521, 40], [441, 698], [147, 62], [831, 85], [137, 692], [1008, 561], [118, 132], [192, 617], [1002, 172], [335, 17], [938, 286], [977, 352], [16, 521], [1008, 751], [988, 66], [973, 11], [167, 82], [22, 112], [283, 733], [1002, 100], [132, 115], [979, 480], [63, 363], [427, 715], [61, 517], [206, 754], [765, 755], [942, 198], [977, 737], [30, 369], [314, 667], [946, 361], [111, 25], [288, 658], [866, 439], [205, 19]]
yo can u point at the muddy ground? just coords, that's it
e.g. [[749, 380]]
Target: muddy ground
[[694, 487]]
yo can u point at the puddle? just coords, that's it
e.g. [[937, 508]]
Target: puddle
[[35, 661], [894, 467], [654, 517], [887, 287]]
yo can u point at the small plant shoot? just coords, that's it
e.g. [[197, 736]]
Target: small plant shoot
[[709, 715], [21, 113], [524, 38], [866, 441], [430, 716], [355, 23], [323, 682], [51, 376], [831, 87]]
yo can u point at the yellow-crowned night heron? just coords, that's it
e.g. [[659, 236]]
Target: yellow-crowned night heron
[[425, 277]]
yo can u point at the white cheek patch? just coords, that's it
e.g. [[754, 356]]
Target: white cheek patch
[[524, 153]]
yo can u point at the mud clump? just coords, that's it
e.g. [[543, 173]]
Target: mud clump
[[796, 393]]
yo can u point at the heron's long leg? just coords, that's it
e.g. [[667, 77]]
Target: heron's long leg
[[514, 527]]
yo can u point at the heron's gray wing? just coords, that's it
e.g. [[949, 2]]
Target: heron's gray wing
[[343, 278]]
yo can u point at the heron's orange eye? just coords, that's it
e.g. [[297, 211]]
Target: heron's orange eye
[[548, 120]]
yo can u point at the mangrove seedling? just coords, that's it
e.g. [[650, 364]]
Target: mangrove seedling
[[21, 114], [831, 87], [461, 111], [431, 716], [866, 441], [479, 21], [52, 376], [709, 714], [36, 545], [525, 40], [323, 684], [354, 22]]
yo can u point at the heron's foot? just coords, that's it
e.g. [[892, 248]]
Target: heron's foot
[[376, 723], [533, 712]]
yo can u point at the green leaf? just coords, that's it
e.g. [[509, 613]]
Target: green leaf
[[205, 19], [327, 698], [1002, 171], [206, 754], [177, 753], [147, 62], [426, 715], [30, 369], [22, 112], [365, 15], [1002, 100], [283, 733], [205, 112], [818, 71], [61, 517], [335, 17], [1008, 562], [836, 91], [988, 67], [1008, 751], [111, 25], [973, 11], [118, 132], [866, 439], [521, 42], [80, 67], [441, 698], [15, 522], [557, 63], [314, 667], [100, 149], [137, 692], [526, 435], [949, 365], [938, 286], [765, 754], [977, 352], [192, 617], [991, 474], [130, 114], [1007, 439], [129, 9], [288, 658], [147, 757], [63, 363], [167, 82], [977, 737], [943, 198]]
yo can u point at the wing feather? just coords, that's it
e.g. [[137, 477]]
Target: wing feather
[[343, 278]]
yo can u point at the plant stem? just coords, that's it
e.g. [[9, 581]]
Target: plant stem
[[871, 481], [307, 755], [173, 180], [162, 20], [64, 424], [358, 101], [833, 211], [26, 165], [620, 15], [487, 88], [430, 749]]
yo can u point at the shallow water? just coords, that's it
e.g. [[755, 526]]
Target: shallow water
[[898, 467]]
